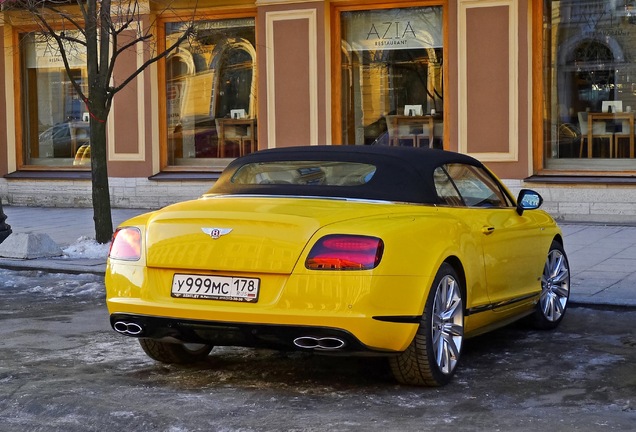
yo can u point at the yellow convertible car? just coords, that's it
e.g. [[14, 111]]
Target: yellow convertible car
[[359, 250]]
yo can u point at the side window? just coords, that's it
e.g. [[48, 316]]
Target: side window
[[476, 187], [446, 189]]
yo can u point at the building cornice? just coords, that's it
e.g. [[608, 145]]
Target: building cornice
[[282, 2]]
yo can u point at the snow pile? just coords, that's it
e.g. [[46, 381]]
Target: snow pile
[[45, 285], [58, 285], [87, 248]]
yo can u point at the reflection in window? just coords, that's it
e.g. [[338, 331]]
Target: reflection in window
[[307, 173], [211, 92], [588, 47], [56, 128], [392, 69], [445, 188], [475, 186]]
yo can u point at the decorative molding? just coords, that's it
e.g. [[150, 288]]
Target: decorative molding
[[512, 155], [154, 118], [270, 19], [281, 2], [9, 90], [529, 90], [140, 156]]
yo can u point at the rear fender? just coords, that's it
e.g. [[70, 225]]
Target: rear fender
[[416, 245]]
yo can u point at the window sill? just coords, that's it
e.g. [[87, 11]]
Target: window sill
[[49, 175], [565, 179], [185, 176]]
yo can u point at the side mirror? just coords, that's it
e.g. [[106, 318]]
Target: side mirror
[[528, 200]]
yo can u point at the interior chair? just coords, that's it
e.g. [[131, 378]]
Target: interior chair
[[249, 138], [399, 132], [625, 133], [239, 134], [599, 130], [427, 135], [438, 135]]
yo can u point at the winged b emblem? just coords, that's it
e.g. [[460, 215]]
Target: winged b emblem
[[215, 233]]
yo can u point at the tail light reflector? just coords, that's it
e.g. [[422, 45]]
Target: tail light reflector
[[345, 252], [126, 244]]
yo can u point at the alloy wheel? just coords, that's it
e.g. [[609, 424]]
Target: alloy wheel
[[555, 286], [447, 324]]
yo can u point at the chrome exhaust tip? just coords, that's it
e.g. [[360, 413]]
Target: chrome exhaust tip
[[128, 328], [319, 343]]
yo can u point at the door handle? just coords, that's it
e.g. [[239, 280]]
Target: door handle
[[488, 230]]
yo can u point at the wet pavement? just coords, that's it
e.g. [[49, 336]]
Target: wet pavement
[[63, 369]]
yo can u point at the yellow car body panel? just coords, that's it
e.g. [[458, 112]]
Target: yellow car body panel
[[270, 241]]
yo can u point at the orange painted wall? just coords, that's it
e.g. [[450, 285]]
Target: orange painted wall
[[291, 67]]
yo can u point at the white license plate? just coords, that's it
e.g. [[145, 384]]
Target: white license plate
[[215, 287]]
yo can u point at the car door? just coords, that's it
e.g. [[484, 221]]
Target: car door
[[511, 243]]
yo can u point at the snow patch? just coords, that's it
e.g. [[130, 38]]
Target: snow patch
[[87, 248]]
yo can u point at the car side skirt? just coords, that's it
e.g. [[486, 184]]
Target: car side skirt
[[533, 298]]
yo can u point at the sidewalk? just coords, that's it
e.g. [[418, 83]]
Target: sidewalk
[[65, 226], [602, 257]]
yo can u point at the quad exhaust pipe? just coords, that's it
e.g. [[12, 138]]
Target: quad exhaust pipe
[[128, 328], [319, 343]]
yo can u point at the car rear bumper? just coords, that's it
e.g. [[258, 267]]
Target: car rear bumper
[[376, 311], [282, 337]]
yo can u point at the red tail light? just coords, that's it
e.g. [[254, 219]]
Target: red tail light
[[345, 252], [126, 244]]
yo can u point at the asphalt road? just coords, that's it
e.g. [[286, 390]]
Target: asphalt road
[[63, 369]]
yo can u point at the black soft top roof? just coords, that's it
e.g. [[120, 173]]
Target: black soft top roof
[[402, 173]]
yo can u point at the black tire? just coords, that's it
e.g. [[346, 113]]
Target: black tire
[[431, 358], [177, 353], [555, 289]]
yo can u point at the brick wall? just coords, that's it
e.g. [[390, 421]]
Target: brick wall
[[124, 192]]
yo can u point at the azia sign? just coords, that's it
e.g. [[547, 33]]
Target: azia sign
[[392, 29]]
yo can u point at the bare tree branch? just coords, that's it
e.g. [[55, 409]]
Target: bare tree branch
[[154, 59], [99, 27]]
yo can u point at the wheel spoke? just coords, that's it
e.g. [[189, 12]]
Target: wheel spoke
[[561, 292], [451, 347], [440, 354], [548, 306], [454, 330]]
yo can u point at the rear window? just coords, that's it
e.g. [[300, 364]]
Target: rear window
[[324, 173]]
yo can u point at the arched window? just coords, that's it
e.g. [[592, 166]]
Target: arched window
[[391, 68], [208, 79]]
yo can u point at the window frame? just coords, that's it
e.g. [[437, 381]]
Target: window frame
[[538, 123], [181, 16], [20, 107], [340, 6]]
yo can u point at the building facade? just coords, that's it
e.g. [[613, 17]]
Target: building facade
[[541, 90]]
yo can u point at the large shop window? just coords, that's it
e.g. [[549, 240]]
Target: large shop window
[[589, 76], [55, 128], [392, 86], [211, 93]]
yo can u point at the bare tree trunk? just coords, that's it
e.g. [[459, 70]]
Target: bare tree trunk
[[101, 193]]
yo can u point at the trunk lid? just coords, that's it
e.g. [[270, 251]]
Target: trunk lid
[[267, 234]]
